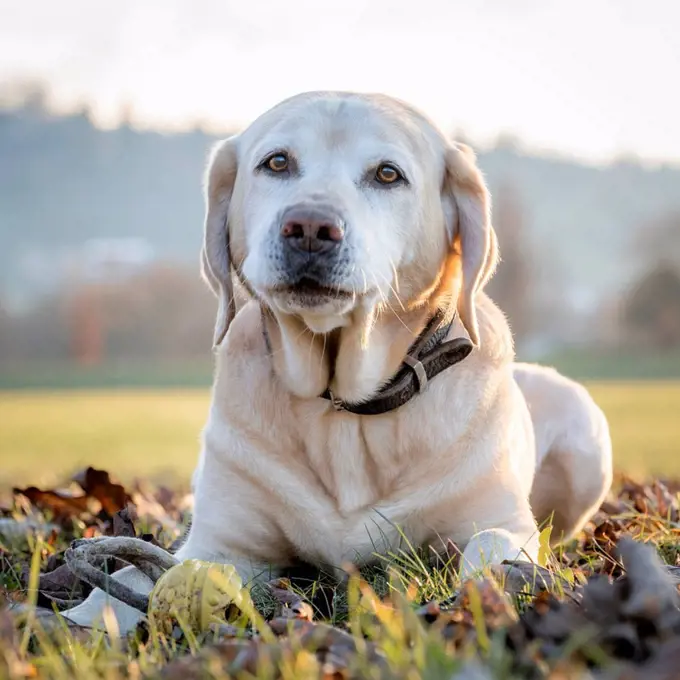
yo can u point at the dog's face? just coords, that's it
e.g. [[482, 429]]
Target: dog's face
[[330, 201]]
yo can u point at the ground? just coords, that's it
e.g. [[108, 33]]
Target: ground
[[597, 608]]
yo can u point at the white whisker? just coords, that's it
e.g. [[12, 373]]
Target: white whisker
[[387, 303]]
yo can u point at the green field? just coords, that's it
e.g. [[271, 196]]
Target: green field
[[45, 435]]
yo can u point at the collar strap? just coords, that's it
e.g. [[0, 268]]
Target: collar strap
[[427, 357]]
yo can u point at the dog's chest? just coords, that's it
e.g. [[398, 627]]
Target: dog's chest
[[364, 480], [361, 461], [350, 459]]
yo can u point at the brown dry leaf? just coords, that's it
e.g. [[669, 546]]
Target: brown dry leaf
[[626, 619], [458, 623], [497, 610], [526, 577], [664, 665], [61, 504], [429, 612], [291, 604], [61, 587], [230, 656], [322, 637], [166, 507], [327, 644], [549, 618], [98, 484], [613, 506], [653, 499], [124, 522], [124, 525], [650, 595]]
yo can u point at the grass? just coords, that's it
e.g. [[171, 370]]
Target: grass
[[141, 433], [644, 419], [46, 435], [405, 619]]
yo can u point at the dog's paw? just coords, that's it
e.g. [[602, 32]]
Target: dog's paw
[[493, 547]]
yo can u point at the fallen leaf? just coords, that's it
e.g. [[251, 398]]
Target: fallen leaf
[[98, 484], [123, 522], [61, 587], [291, 604], [62, 505]]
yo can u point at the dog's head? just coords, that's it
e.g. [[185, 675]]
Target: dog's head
[[332, 201]]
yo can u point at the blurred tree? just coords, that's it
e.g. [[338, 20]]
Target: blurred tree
[[659, 240], [512, 286], [86, 325], [164, 311], [40, 333], [652, 310]]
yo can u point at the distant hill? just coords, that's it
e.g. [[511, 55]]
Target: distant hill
[[62, 181]]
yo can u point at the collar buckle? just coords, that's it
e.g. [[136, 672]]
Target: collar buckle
[[418, 369], [335, 402]]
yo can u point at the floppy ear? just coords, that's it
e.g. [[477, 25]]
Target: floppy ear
[[215, 257], [492, 260], [465, 185]]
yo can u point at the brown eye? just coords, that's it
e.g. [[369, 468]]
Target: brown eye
[[278, 162], [387, 174]]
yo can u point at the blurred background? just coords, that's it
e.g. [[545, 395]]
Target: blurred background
[[107, 112]]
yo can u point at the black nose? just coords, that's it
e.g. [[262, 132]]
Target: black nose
[[313, 230]]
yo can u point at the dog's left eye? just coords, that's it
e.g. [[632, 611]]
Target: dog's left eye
[[388, 174]]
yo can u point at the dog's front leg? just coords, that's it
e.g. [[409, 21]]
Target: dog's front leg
[[492, 525]]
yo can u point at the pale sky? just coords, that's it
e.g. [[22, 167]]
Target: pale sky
[[592, 78]]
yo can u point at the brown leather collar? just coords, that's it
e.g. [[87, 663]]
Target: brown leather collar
[[427, 357]]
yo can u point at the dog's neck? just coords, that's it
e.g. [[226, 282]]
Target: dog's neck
[[352, 361]]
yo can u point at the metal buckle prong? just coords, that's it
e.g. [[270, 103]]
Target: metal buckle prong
[[337, 403]]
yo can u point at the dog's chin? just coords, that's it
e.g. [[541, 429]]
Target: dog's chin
[[321, 308]]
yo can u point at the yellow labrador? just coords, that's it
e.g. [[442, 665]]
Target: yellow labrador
[[367, 392]]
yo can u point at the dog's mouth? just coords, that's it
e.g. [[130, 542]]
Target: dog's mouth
[[307, 288], [308, 296]]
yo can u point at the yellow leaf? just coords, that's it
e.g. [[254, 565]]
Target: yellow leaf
[[544, 550]]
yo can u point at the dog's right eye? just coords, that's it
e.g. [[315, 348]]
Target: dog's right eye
[[277, 162]]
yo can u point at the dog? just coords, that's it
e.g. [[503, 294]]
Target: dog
[[366, 394]]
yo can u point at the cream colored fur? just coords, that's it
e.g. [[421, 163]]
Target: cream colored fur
[[281, 474]]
